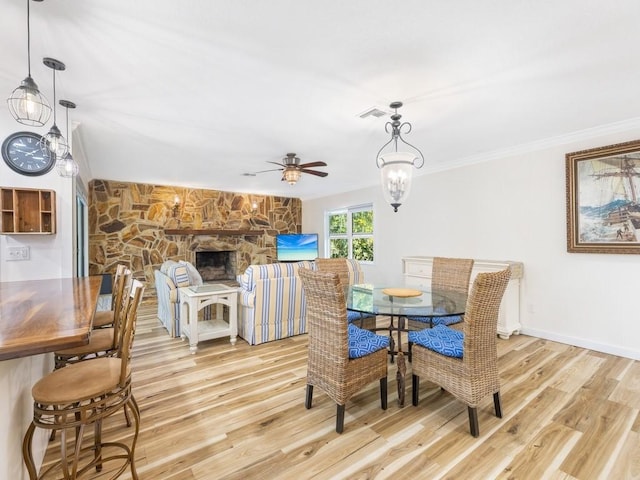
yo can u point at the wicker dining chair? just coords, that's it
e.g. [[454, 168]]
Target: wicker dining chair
[[448, 274], [103, 341], [465, 363], [339, 266], [342, 358], [105, 318], [82, 395]]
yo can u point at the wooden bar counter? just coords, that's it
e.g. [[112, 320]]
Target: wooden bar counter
[[39, 316]]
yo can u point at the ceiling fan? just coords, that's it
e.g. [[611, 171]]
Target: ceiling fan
[[292, 168]]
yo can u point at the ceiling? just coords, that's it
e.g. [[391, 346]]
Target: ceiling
[[197, 93]]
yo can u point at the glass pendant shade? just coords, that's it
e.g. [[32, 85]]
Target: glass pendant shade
[[55, 142], [67, 166], [396, 170], [26, 104], [291, 176]]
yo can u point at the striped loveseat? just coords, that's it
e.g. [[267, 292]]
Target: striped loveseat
[[271, 303]]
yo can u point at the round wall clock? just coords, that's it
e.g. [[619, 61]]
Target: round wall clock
[[23, 153]]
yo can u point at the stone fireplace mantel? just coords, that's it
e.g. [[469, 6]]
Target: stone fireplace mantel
[[209, 231]]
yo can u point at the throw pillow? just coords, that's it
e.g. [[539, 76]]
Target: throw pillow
[[194, 276]]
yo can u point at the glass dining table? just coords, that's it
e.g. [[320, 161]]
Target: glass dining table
[[402, 305]]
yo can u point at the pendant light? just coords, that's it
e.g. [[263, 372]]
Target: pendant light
[[53, 141], [67, 166], [26, 104], [396, 168]]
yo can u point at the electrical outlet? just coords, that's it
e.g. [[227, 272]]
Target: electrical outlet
[[17, 253]]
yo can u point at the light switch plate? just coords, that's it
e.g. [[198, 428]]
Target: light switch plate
[[17, 253]]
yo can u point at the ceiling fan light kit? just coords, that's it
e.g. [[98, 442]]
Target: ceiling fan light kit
[[291, 176], [396, 167], [26, 104]]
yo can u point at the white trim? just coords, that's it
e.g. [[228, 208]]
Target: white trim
[[524, 148], [583, 343]]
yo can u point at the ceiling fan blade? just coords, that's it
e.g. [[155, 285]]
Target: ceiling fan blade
[[313, 164], [276, 163], [270, 170], [315, 172]]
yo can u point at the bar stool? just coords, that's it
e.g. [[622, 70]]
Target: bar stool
[[84, 394], [103, 342], [105, 318]]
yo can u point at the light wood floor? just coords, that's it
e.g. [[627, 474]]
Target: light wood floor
[[238, 413]]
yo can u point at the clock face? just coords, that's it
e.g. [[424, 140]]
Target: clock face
[[23, 153]]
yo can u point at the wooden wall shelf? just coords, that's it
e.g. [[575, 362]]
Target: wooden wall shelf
[[27, 211], [209, 231]]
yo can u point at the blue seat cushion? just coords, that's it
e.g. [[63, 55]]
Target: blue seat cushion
[[441, 339], [446, 320], [363, 342], [356, 316], [425, 317]]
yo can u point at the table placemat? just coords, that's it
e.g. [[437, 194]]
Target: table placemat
[[402, 292]]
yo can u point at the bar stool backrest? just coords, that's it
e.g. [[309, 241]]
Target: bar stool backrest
[[119, 312], [129, 329], [116, 291]]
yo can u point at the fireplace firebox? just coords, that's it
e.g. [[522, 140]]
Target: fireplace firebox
[[216, 265]]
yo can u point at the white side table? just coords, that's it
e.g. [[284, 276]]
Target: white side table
[[193, 299]]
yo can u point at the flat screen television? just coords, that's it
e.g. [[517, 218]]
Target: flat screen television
[[293, 247]]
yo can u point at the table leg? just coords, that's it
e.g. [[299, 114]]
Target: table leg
[[400, 378], [233, 320], [193, 326], [401, 321]]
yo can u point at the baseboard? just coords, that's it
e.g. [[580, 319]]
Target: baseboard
[[583, 343]]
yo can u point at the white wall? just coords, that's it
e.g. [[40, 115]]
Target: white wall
[[511, 208], [51, 256]]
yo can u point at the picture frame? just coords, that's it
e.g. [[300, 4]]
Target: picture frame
[[603, 199]]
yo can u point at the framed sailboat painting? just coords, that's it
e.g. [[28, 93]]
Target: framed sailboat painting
[[603, 199]]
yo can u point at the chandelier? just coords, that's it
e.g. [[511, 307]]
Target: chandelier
[[396, 167]]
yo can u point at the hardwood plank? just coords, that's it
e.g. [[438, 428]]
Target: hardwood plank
[[636, 424], [578, 412], [627, 391], [543, 453], [627, 464], [601, 439]]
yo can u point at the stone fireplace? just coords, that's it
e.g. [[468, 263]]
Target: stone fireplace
[[216, 265]]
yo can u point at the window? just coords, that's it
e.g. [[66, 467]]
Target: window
[[350, 233]]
